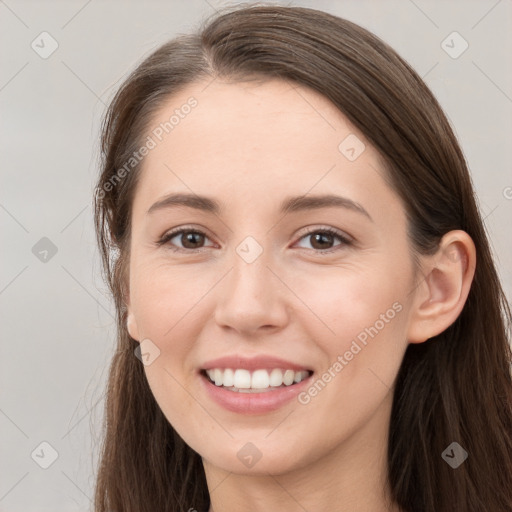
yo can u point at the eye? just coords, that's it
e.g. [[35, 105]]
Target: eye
[[323, 237], [189, 238]]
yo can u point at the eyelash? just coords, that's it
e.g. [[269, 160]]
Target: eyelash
[[170, 235]]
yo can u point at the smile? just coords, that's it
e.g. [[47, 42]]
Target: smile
[[258, 381], [263, 394]]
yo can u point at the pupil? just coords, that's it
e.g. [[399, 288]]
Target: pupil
[[320, 236], [189, 237]]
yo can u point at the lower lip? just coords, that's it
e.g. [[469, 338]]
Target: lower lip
[[252, 403]]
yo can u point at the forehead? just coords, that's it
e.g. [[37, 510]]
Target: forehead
[[254, 142]]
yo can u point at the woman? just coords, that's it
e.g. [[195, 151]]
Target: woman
[[308, 313]]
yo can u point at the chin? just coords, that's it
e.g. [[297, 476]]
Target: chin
[[255, 459]]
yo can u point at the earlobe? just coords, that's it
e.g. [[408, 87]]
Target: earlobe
[[442, 293], [131, 322], [131, 325]]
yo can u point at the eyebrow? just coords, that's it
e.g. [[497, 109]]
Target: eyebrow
[[289, 205]]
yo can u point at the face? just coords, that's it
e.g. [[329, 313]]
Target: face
[[317, 293]]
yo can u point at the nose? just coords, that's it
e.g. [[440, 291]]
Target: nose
[[252, 298]]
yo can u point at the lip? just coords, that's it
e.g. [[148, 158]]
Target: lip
[[252, 403], [259, 362]]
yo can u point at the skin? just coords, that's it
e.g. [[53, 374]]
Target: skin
[[249, 146]]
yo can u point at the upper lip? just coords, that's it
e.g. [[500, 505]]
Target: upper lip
[[253, 363]]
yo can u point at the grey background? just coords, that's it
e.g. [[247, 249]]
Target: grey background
[[56, 316]]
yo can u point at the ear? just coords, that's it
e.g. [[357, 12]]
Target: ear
[[131, 322], [131, 325], [442, 292]]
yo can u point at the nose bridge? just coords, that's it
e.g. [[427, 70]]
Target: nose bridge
[[251, 296], [250, 275]]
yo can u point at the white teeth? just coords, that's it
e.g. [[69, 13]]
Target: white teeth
[[242, 379], [276, 377], [228, 378], [217, 375], [260, 380], [288, 377]]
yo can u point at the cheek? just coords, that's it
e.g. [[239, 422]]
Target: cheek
[[360, 325], [167, 303], [165, 299], [347, 302]]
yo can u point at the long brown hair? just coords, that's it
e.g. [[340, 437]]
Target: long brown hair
[[456, 387]]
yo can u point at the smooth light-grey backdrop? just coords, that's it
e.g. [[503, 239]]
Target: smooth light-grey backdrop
[[56, 316]]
